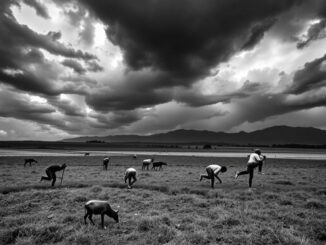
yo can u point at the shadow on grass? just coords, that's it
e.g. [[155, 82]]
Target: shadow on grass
[[97, 188], [9, 189], [283, 182]]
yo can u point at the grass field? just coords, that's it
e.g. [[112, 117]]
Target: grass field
[[286, 206]]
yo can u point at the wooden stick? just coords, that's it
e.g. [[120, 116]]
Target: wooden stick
[[62, 175]]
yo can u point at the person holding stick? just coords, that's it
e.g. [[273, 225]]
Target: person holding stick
[[50, 172], [256, 159]]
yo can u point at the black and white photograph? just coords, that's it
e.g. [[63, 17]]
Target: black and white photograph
[[163, 122]]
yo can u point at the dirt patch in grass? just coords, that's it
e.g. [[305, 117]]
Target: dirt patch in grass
[[283, 182]]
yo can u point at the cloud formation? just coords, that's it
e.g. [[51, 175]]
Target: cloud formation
[[99, 67], [185, 38], [41, 10], [77, 67], [312, 76], [315, 31]]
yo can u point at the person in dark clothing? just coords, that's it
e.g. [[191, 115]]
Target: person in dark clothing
[[256, 159], [50, 172], [106, 163]]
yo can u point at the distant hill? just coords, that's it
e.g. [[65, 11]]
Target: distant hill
[[268, 136]]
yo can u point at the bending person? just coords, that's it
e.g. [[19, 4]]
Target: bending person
[[106, 163], [256, 159], [130, 174], [50, 172], [212, 173]]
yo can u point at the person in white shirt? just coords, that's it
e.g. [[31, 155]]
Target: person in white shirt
[[256, 159], [212, 173], [130, 174]]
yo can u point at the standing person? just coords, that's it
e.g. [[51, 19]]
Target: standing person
[[50, 172], [212, 173], [106, 163], [255, 160], [130, 174]]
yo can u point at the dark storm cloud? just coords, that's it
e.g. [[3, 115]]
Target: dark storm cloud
[[15, 37], [193, 97], [14, 105], [260, 107], [108, 100], [27, 81], [312, 76], [257, 33], [75, 65], [185, 38], [41, 10], [255, 103], [66, 107], [93, 66], [116, 119], [34, 56], [18, 105], [20, 46], [316, 31], [54, 35], [134, 90]]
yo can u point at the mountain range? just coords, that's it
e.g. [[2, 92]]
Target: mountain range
[[268, 136]]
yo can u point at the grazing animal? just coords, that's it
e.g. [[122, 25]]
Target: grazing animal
[[146, 163], [106, 163], [102, 208], [86, 154], [30, 161], [158, 165]]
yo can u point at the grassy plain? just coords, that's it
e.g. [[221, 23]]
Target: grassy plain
[[286, 206]]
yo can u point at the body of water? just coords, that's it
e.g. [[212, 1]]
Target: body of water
[[291, 154]]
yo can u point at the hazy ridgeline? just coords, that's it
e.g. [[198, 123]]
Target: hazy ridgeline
[[287, 205]]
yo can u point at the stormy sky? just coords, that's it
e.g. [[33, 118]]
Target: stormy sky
[[80, 67]]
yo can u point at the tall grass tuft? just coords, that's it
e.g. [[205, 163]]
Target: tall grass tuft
[[157, 230], [96, 189], [314, 203]]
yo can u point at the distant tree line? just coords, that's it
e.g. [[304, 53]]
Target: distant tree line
[[96, 141]]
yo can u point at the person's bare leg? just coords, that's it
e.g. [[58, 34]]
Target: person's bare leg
[[251, 176], [208, 176]]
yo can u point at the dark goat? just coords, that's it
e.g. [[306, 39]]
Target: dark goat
[[146, 163], [30, 161], [158, 165], [99, 207]]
